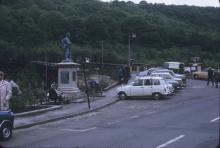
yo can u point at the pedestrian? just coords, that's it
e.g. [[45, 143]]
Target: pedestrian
[[216, 77], [53, 94], [127, 73], [121, 75], [210, 76], [5, 93]]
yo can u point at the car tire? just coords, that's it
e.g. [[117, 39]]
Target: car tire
[[156, 96], [195, 76], [5, 132], [122, 95]]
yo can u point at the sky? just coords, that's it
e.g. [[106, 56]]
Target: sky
[[202, 3]]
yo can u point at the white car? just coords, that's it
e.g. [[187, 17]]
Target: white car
[[172, 74], [145, 86], [176, 82], [147, 72]]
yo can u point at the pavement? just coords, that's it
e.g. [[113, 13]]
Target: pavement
[[76, 108], [58, 112]]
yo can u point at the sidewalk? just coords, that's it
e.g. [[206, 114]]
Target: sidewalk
[[66, 111]]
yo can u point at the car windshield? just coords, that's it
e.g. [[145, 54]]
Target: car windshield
[[167, 76]]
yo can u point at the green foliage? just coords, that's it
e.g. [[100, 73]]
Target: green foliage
[[32, 29]]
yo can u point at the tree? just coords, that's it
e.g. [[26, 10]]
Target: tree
[[96, 28]]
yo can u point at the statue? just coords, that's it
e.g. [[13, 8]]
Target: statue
[[66, 45]]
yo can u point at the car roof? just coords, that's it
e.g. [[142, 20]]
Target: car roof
[[156, 68], [167, 70], [163, 73], [149, 77], [174, 62]]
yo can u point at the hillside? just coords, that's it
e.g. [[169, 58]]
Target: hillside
[[32, 30]]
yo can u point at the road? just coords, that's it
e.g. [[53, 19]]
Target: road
[[189, 119]]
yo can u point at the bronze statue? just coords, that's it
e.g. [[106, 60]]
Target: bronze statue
[[67, 46]]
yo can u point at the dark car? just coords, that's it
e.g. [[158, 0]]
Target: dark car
[[6, 124]]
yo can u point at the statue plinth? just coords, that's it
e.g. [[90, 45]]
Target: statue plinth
[[67, 80]]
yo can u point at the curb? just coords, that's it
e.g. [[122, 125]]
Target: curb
[[66, 116], [84, 111], [54, 107]]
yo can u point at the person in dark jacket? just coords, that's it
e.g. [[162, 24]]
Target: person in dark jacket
[[121, 74], [210, 76], [53, 95], [216, 77], [127, 73]]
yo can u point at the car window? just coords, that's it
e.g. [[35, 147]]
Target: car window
[[167, 77], [171, 73], [148, 82], [156, 82], [138, 82]]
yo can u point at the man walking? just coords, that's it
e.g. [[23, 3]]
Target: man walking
[[5, 93], [210, 76], [216, 77]]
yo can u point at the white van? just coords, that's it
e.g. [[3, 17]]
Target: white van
[[177, 67]]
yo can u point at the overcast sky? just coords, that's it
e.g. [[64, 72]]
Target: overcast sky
[[203, 3]]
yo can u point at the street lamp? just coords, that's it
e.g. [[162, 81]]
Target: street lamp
[[84, 61], [132, 35]]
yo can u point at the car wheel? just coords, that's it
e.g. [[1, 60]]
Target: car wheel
[[156, 96], [6, 132], [122, 95], [195, 76]]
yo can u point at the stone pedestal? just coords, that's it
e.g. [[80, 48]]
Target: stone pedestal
[[67, 80]]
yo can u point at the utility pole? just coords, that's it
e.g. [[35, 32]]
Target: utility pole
[[85, 78], [101, 73], [132, 35]]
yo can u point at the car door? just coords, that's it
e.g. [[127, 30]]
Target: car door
[[204, 75], [147, 87], [157, 87], [137, 88]]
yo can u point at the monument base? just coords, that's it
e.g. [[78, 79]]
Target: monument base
[[67, 80], [70, 93]]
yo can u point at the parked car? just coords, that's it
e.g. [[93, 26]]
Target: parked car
[[203, 74], [143, 87], [148, 72], [200, 74], [176, 82], [6, 124], [180, 76]]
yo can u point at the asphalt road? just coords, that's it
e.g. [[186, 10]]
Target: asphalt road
[[189, 119]]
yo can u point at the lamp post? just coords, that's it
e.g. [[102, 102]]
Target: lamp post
[[132, 35], [85, 60]]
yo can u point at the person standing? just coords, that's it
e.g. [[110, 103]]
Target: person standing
[[216, 77], [127, 73], [210, 76], [121, 75], [5, 93]]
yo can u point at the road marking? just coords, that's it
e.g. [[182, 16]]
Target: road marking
[[213, 120], [114, 122], [170, 141], [133, 117], [79, 130]]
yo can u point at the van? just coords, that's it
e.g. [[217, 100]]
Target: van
[[177, 67]]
